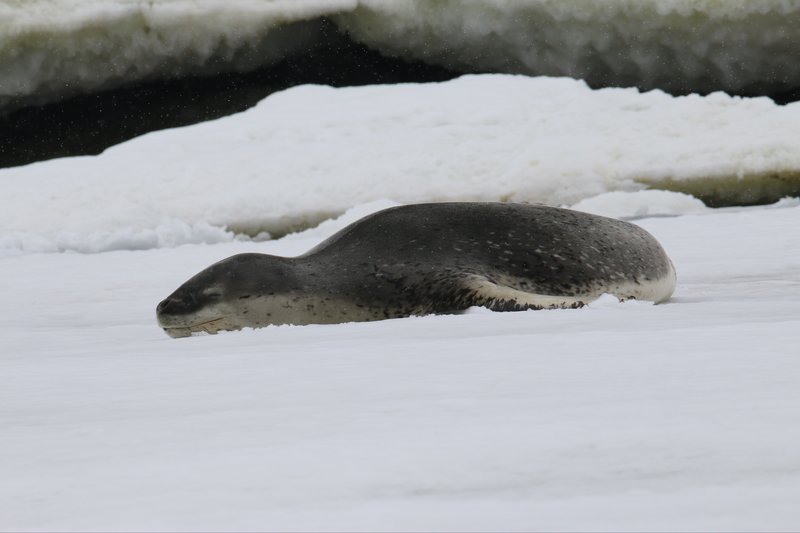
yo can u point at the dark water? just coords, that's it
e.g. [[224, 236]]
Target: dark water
[[89, 124]]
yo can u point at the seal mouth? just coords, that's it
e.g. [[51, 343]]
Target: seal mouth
[[211, 327]]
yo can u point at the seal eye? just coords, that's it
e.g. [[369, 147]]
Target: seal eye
[[212, 295]]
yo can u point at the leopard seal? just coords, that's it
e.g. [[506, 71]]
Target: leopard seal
[[424, 259]]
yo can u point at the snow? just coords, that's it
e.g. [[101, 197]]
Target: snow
[[675, 45], [626, 417], [50, 49], [620, 204], [681, 416], [54, 48], [307, 154]]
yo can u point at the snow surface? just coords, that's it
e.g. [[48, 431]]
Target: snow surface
[[312, 152], [53, 48], [682, 416]]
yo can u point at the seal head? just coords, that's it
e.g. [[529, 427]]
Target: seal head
[[217, 298]]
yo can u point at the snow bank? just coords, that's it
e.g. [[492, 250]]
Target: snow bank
[[676, 45], [53, 48], [309, 153], [50, 49], [620, 204]]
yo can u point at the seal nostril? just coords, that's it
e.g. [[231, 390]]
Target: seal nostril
[[177, 305], [166, 306]]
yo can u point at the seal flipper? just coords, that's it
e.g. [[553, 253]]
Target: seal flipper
[[503, 297]]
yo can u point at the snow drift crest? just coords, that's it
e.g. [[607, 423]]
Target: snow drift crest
[[50, 49]]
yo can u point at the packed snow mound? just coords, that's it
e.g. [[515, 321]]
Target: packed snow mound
[[676, 45], [53, 48], [331, 226], [309, 153], [620, 204]]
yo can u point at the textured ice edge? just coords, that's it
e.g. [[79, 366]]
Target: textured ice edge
[[50, 48]]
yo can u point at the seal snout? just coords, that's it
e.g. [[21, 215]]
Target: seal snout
[[167, 306], [177, 305]]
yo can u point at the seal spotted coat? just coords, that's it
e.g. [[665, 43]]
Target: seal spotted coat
[[428, 258]]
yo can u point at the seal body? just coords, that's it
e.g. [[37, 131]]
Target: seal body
[[429, 258]]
